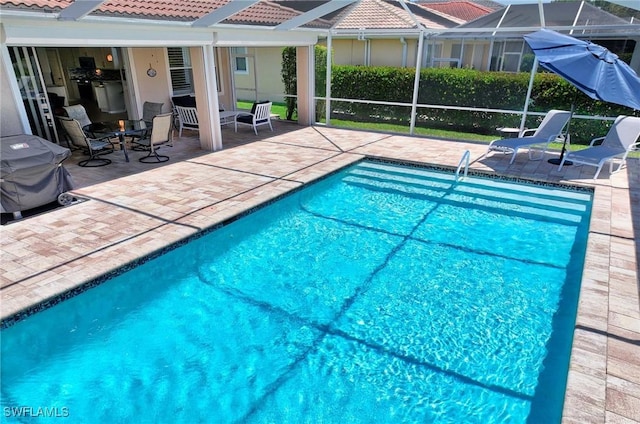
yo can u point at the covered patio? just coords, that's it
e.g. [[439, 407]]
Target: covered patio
[[133, 211]]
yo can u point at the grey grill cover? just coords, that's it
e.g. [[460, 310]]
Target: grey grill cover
[[30, 172]]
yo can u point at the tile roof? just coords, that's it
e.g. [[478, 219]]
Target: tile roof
[[262, 13], [370, 14], [388, 14], [463, 9]]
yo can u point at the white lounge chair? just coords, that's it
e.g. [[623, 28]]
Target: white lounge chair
[[550, 129], [621, 139]]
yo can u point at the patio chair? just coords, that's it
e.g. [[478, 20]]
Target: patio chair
[[160, 134], [149, 110], [79, 113], [187, 119], [621, 139], [550, 129], [260, 115], [95, 148]]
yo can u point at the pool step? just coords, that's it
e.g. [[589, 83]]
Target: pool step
[[539, 190], [550, 202]]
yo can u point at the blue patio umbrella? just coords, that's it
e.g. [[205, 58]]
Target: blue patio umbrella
[[591, 68]]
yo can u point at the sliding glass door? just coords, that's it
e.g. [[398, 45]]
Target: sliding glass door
[[29, 76]]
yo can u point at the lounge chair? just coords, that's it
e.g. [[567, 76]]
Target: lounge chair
[[619, 141], [550, 129], [260, 115], [95, 148]]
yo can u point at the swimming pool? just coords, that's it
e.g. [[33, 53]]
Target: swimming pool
[[380, 294]]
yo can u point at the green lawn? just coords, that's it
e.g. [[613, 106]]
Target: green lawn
[[281, 109], [277, 108]]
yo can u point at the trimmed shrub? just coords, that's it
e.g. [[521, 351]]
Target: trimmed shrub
[[463, 88], [290, 79]]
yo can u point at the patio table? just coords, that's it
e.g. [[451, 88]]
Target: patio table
[[119, 128], [227, 115]]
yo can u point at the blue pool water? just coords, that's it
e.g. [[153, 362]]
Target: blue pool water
[[381, 294]]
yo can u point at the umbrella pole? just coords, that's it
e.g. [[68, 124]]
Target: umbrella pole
[[558, 161], [527, 100]]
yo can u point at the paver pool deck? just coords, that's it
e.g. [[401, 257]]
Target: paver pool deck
[[134, 209]]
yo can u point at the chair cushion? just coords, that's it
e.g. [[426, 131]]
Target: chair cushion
[[186, 101], [247, 119]]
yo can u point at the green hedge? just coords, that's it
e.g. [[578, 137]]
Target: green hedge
[[466, 88], [290, 80]]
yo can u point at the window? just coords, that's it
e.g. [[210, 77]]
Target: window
[[445, 62], [512, 56], [180, 70], [239, 55]]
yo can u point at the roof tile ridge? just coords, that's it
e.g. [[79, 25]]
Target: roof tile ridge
[[345, 14], [398, 11]]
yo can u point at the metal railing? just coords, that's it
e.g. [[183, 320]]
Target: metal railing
[[464, 160]]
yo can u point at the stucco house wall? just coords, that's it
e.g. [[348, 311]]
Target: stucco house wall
[[347, 51], [264, 78]]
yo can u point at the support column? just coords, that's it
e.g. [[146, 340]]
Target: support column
[[206, 90], [305, 73], [328, 89]]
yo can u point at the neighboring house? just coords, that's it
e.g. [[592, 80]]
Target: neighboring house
[[383, 32], [494, 41], [367, 33]]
